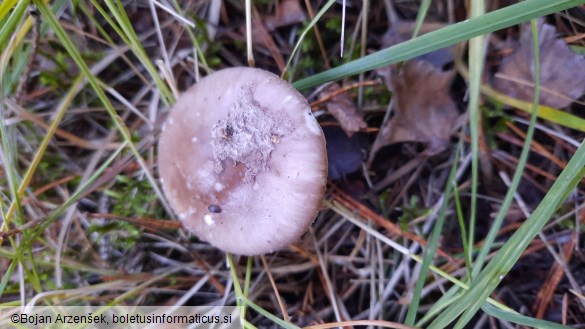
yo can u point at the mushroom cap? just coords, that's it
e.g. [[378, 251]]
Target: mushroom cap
[[242, 161]]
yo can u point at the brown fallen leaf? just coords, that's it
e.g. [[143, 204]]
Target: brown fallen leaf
[[561, 71], [423, 112], [402, 31], [288, 12], [262, 37], [342, 108]]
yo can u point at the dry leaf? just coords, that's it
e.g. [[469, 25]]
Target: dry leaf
[[342, 108], [260, 36], [561, 71], [423, 112], [288, 12], [402, 31]]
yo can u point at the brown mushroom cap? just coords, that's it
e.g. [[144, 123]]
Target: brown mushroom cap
[[242, 161]]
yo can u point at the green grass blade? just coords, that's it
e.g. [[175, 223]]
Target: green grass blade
[[110, 21], [93, 81], [474, 300], [495, 227], [521, 319], [544, 112], [33, 234], [461, 220], [7, 276], [268, 315], [247, 281], [420, 16], [476, 60], [485, 283], [17, 50], [470, 312], [198, 52], [42, 148], [351, 217], [447, 36], [18, 193], [237, 286], [307, 29], [448, 298], [5, 7], [117, 10], [433, 242], [78, 194], [13, 19]]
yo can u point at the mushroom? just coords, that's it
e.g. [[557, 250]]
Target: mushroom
[[242, 161]]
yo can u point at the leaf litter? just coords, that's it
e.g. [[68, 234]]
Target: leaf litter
[[423, 110], [288, 12], [342, 108], [559, 83]]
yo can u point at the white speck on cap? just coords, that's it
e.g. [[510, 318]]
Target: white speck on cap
[[208, 219], [218, 187]]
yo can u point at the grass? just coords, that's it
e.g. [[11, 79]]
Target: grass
[[98, 231]]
